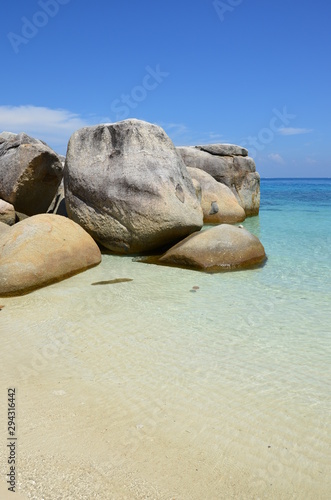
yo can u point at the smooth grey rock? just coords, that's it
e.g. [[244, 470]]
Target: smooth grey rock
[[236, 172], [214, 208], [244, 164], [218, 202], [249, 193], [126, 185], [224, 149], [219, 167], [7, 213], [30, 173], [5, 136]]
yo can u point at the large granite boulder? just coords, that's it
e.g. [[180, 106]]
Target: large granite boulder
[[237, 171], [219, 204], [221, 248], [7, 213], [41, 250], [126, 185], [30, 173]]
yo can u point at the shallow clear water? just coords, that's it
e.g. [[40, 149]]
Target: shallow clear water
[[231, 382]]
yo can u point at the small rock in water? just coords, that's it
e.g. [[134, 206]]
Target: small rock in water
[[193, 291], [112, 282], [1, 307], [241, 226], [195, 287]]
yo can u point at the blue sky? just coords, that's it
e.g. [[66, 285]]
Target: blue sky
[[249, 72]]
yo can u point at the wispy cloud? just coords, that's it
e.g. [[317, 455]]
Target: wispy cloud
[[310, 161], [53, 126], [182, 135], [174, 130], [293, 131], [179, 133], [277, 158]]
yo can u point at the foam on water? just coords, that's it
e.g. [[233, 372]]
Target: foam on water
[[220, 393]]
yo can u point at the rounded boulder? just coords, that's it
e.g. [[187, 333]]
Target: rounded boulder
[[30, 173], [220, 248], [41, 250], [219, 204], [126, 185]]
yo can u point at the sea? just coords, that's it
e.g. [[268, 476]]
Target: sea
[[181, 384]]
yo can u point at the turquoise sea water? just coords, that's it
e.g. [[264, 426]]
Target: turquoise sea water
[[233, 378]]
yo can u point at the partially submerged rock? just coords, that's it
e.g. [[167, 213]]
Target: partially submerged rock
[[238, 172], [221, 248], [126, 185], [41, 250], [219, 204], [30, 173]]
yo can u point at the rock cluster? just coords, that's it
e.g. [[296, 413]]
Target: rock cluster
[[230, 165], [125, 186]]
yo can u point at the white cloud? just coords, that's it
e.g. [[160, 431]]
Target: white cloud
[[277, 158], [179, 133], [53, 126], [182, 135], [174, 130], [294, 131], [178, 127]]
